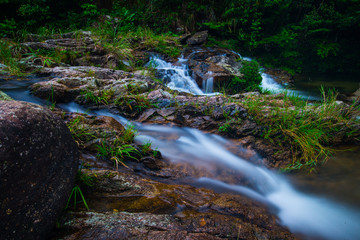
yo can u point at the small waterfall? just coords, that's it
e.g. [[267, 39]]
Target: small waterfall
[[208, 84], [176, 77]]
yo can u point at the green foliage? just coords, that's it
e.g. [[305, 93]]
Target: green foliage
[[7, 28], [10, 54], [225, 128], [120, 150], [137, 103], [306, 129], [300, 36], [90, 11], [101, 97], [250, 80]]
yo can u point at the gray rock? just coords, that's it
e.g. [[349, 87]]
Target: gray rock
[[38, 165]]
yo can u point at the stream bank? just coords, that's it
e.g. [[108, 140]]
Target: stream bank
[[171, 205]]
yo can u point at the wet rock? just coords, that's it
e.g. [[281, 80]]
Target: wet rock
[[146, 115], [108, 60], [246, 128], [90, 85], [80, 47], [198, 38], [38, 164], [152, 163], [355, 97], [165, 112], [218, 64], [52, 91], [229, 110], [149, 206], [184, 37], [280, 76]]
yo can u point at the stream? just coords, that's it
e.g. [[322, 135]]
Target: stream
[[325, 206]]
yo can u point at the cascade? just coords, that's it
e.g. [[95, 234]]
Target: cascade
[[177, 77]]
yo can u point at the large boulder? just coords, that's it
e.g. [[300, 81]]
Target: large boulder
[[216, 64], [38, 165]]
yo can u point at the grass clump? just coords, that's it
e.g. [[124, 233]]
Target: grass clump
[[52, 57], [121, 40], [75, 194], [80, 131], [101, 97], [308, 129], [137, 103], [120, 149], [10, 55]]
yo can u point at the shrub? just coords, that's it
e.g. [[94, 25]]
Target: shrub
[[250, 80]]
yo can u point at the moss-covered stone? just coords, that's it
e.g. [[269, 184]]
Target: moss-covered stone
[[4, 97]]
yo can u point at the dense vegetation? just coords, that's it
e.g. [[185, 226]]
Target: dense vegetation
[[306, 35]]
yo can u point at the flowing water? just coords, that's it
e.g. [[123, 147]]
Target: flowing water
[[178, 77], [310, 213]]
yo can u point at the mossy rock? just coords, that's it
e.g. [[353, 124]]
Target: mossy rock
[[4, 96]]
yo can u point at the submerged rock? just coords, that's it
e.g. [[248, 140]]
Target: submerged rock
[[38, 165]]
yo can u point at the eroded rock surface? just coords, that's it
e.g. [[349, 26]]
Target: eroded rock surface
[[127, 206]]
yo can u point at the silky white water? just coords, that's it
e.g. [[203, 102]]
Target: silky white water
[[310, 216], [177, 77]]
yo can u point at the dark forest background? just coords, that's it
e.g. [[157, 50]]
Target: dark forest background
[[299, 36]]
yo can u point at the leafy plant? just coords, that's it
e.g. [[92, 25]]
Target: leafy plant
[[7, 28], [10, 55], [118, 152], [225, 128]]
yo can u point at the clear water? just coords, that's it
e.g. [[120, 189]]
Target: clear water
[[311, 83]]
